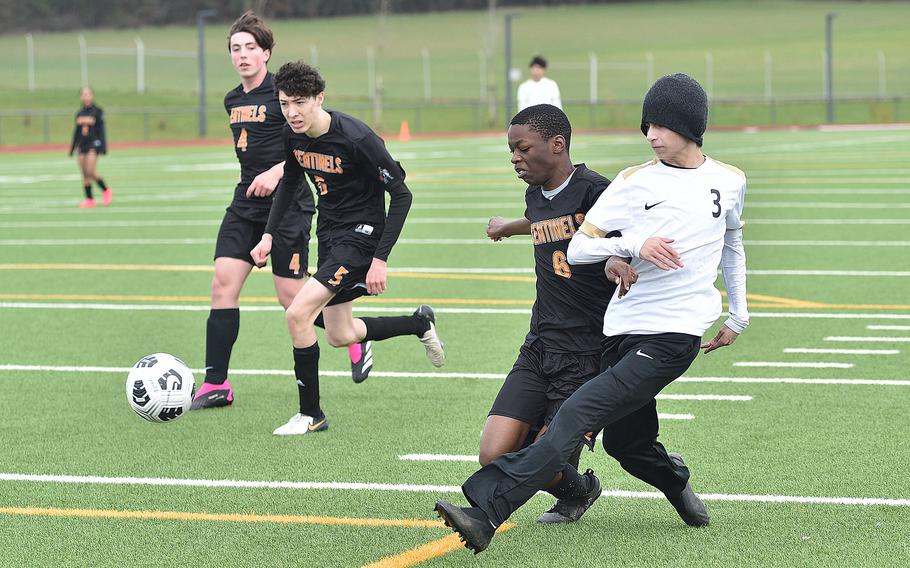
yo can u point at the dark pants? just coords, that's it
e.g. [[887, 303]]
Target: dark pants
[[619, 401]]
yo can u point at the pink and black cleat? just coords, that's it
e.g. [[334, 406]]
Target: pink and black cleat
[[213, 395]]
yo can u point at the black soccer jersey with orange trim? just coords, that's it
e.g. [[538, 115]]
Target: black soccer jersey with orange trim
[[89, 130], [571, 299], [351, 170], [256, 123]]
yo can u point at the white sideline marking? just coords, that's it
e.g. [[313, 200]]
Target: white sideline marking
[[798, 365], [863, 273], [843, 351], [870, 338], [726, 397], [205, 222], [829, 221], [438, 458], [825, 205], [305, 485], [486, 376], [889, 327], [389, 309]]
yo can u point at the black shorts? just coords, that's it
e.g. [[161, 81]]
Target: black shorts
[[86, 146], [345, 257], [242, 228], [540, 381]]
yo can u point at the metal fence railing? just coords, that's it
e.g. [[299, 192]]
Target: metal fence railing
[[161, 124]]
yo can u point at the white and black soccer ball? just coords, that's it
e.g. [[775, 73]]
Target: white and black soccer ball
[[160, 387]]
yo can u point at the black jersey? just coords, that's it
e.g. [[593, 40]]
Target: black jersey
[[257, 123], [568, 313], [351, 170], [89, 131]]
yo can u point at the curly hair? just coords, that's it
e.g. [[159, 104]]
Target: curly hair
[[546, 120], [252, 24], [298, 79]]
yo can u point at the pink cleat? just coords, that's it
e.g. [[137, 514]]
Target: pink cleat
[[212, 395], [107, 196], [87, 203]]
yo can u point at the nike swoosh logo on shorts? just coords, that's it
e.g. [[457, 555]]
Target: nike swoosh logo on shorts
[[642, 354]]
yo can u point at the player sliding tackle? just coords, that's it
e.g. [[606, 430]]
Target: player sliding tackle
[[653, 333], [352, 170]]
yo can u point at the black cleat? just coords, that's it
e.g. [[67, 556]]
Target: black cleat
[[361, 369], [430, 339], [470, 524], [570, 510], [691, 509]]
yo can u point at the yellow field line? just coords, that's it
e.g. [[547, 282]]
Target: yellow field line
[[254, 299], [222, 517], [410, 557], [426, 552], [209, 268]]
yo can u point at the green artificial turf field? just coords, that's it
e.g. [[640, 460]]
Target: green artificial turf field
[[802, 456]]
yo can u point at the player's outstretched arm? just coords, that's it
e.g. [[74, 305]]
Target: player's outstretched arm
[[498, 228], [733, 267], [265, 183]]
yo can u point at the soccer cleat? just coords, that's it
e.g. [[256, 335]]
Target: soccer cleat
[[430, 339], [106, 197], [691, 509], [213, 396], [363, 353], [300, 424], [570, 510], [87, 203], [470, 524]]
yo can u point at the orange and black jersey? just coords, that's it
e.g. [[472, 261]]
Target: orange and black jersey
[[351, 170], [89, 131], [568, 312], [256, 123]]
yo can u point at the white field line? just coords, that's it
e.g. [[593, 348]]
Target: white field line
[[484, 376], [828, 221], [870, 339], [438, 458], [825, 205], [837, 273], [390, 309], [393, 487], [524, 241], [795, 365], [842, 351], [889, 327]]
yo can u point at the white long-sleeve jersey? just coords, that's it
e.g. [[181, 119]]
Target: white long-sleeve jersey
[[532, 92], [701, 209]]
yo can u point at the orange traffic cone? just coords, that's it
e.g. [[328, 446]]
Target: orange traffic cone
[[404, 133]]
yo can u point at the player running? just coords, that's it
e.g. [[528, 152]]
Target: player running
[[352, 170], [90, 138], [562, 349], [256, 123], [653, 333]]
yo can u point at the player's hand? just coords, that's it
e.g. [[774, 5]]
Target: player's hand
[[376, 277], [621, 273], [261, 251], [725, 336], [264, 184], [494, 228], [657, 251]]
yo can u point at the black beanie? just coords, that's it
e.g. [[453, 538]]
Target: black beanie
[[679, 103]]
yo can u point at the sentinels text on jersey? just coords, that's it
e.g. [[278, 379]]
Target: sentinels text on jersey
[[256, 123], [571, 300]]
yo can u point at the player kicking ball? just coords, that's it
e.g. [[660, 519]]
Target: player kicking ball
[[653, 333], [352, 170]]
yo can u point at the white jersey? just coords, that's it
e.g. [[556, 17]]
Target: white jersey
[[543, 92], [695, 207]]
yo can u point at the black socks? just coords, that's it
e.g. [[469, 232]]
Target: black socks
[[384, 328], [222, 328], [306, 369], [101, 184], [88, 191], [572, 484]]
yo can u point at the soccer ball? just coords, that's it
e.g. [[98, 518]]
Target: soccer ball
[[160, 387]]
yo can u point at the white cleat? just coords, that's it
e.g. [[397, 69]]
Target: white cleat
[[430, 339], [300, 424]]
